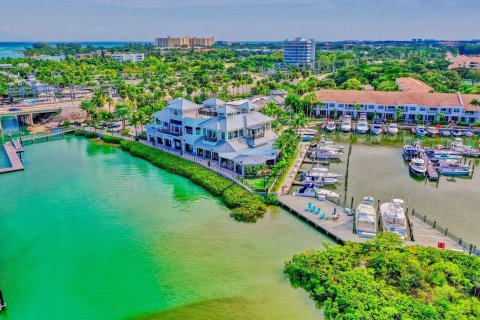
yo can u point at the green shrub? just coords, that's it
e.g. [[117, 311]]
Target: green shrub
[[79, 133], [91, 135], [270, 200], [110, 139]]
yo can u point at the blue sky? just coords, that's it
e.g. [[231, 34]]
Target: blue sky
[[143, 20]]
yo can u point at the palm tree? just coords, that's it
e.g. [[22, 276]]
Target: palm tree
[[439, 116], [88, 107], [122, 111], [309, 101], [144, 118], [398, 114], [135, 120], [358, 107], [110, 102]]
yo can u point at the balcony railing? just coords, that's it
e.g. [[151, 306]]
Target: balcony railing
[[171, 132]]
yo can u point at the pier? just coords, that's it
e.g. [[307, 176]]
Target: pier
[[13, 156]]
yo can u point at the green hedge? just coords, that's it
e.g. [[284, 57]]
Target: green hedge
[[91, 135], [246, 207], [110, 139], [79, 133]]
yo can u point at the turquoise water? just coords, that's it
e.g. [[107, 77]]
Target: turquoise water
[[7, 48], [90, 232]]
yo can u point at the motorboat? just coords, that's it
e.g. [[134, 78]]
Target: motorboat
[[328, 146], [392, 129], [310, 190], [346, 125], [409, 152], [420, 131], [317, 180], [437, 155], [454, 169], [330, 126], [445, 133], [307, 134], [418, 167], [467, 151], [432, 131], [393, 217], [376, 129], [362, 127], [457, 133], [320, 172], [366, 217], [328, 154], [468, 133]]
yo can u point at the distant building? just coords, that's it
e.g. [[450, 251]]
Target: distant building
[[413, 85], [413, 104], [462, 61], [128, 57], [171, 42], [299, 51]]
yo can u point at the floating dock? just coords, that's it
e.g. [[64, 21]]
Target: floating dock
[[15, 161], [432, 174]]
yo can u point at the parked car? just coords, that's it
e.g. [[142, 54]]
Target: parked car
[[113, 125], [102, 124], [13, 109]]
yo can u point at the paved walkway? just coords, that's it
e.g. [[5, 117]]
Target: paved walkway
[[292, 173]]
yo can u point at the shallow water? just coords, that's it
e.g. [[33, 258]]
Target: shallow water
[[90, 232]]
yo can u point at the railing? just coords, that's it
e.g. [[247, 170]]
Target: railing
[[469, 247], [170, 132]]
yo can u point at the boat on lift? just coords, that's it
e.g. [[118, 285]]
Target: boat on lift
[[420, 131], [393, 217], [392, 129], [376, 129], [346, 125], [445, 133], [325, 154], [432, 131], [457, 133], [467, 151], [330, 126], [362, 126], [366, 217], [418, 167]]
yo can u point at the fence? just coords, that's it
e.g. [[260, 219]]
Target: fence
[[469, 247]]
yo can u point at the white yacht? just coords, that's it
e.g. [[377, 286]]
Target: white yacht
[[310, 190], [418, 167], [362, 126], [393, 217], [392, 129], [330, 126], [376, 129], [346, 125], [366, 217]]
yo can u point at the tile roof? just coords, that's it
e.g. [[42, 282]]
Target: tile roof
[[411, 84], [391, 98]]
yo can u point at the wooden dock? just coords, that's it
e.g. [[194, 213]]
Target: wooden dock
[[341, 229], [432, 174], [12, 154], [43, 136]]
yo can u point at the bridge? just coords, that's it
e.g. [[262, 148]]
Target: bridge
[[29, 110]]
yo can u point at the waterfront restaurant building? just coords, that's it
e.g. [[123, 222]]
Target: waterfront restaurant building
[[235, 136], [413, 104]]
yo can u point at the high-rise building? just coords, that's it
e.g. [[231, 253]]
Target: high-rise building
[[299, 51], [171, 42]]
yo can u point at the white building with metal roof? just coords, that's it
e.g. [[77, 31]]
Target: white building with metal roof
[[233, 135]]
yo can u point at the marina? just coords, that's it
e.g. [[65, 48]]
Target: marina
[[14, 156], [420, 231]]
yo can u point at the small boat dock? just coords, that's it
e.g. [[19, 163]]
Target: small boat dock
[[432, 174], [14, 156]]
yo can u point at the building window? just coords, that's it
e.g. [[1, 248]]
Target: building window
[[158, 121], [413, 108], [223, 135], [198, 131], [456, 110], [241, 133], [423, 109], [230, 135], [189, 130]]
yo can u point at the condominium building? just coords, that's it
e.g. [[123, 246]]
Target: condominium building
[[233, 136], [413, 104], [128, 57], [171, 42], [462, 61], [299, 51]]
